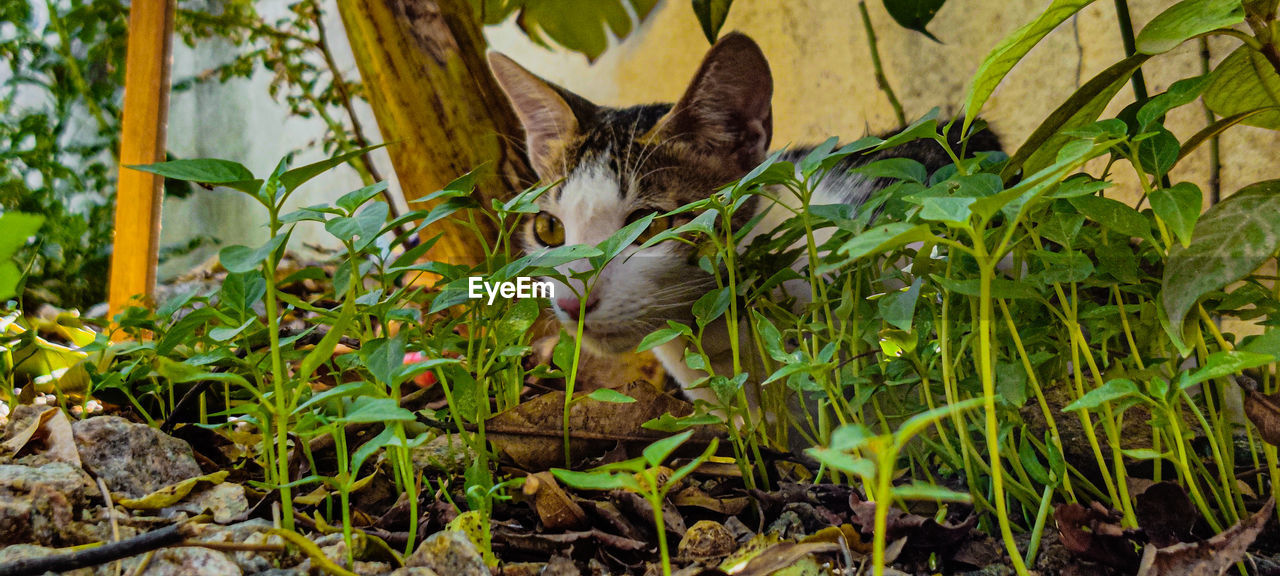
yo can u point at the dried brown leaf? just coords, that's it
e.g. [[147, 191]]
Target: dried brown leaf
[[531, 434], [554, 506], [1166, 514], [1210, 557], [1264, 411], [1095, 535], [46, 432]]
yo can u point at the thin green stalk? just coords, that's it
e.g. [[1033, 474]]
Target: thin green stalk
[[986, 267], [881, 80], [1037, 531], [279, 382]]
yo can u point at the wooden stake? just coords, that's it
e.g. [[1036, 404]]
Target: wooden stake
[[142, 141]]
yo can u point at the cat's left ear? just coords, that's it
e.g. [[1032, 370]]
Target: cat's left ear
[[552, 116], [727, 110]]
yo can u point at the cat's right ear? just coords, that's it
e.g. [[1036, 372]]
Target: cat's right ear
[[552, 116]]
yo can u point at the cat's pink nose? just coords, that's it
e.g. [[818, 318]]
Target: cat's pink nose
[[572, 305]]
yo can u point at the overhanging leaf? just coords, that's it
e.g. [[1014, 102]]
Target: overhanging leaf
[[711, 15], [1179, 207], [914, 14], [1010, 50], [1231, 240], [1185, 20], [1243, 82]]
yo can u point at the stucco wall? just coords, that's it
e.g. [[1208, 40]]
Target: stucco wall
[[824, 86]]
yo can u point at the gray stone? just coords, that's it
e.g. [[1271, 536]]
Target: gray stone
[[449, 552], [38, 503], [133, 459]]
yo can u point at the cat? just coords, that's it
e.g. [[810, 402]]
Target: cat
[[616, 165]]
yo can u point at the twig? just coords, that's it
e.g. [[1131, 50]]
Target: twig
[[881, 80], [167, 536]]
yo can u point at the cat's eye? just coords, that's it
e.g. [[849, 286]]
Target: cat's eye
[[548, 229], [658, 226]]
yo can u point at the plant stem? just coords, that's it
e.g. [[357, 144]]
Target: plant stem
[[986, 267], [881, 80], [279, 384], [1130, 48]]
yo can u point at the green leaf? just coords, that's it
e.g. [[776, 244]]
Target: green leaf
[[1225, 363], [1179, 207], [658, 338], [882, 238], [1009, 51], [669, 423], [206, 171], [1079, 110], [1000, 287], [15, 229], [921, 491], [237, 259], [655, 454], [711, 305], [579, 26], [323, 351], [711, 15], [596, 480], [517, 321], [1266, 343], [1113, 214], [610, 395], [914, 14], [1061, 267], [616, 243], [1110, 392], [1031, 462], [1181, 93], [367, 224], [1185, 20], [383, 357], [353, 200], [371, 410], [897, 168], [1245, 81], [899, 307], [844, 462], [1231, 239], [1158, 152], [948, 209], [292, 179], [916, 424]]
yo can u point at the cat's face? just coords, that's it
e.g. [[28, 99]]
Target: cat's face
[[613, 166]]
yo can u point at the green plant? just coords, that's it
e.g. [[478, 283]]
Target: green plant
[[644, 476]]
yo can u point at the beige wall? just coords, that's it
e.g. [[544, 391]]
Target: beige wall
[[825, 86]]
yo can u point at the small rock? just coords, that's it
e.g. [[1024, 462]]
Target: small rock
[[185, 561], [38, 503], [133, 459], [707, 539], [413, 571], [449, 552], [447, 453]]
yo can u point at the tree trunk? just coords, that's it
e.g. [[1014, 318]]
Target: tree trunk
[[424, 72]]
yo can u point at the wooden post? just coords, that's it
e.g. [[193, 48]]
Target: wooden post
[[142, 141], [425, 74]]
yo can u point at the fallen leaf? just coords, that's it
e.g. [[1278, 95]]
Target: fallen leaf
[[694, 496], [46, 432], [1263, 410], [554, 506], [170, 495], [531, 434], [783, 555], [557, 543], [1166, 514], [1210, 557], [1095, 534], [924, 533]]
